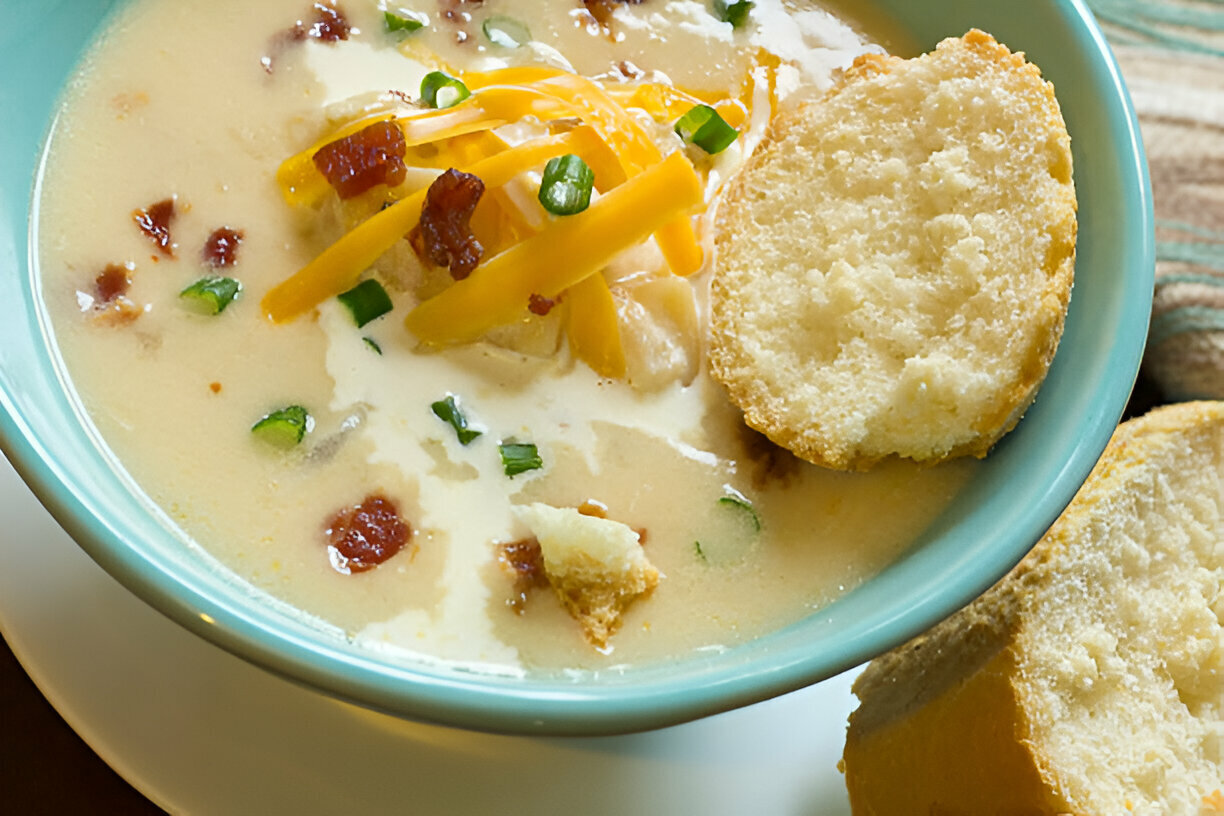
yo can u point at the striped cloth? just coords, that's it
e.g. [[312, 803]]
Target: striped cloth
[[1172, 56]]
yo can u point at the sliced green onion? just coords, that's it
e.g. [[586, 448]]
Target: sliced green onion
[[448, 411], [211, 295], [567, 184], [742, 505], [705, 128], [727, 536], [369, 341], [284, 428], [405, 20], [734, 12], [441, 91], [366, 301], [506, 31], [519, 457]]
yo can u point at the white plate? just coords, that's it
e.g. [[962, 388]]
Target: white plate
[[200, 731]]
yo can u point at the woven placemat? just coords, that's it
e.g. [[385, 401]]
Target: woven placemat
[[1171, 53]]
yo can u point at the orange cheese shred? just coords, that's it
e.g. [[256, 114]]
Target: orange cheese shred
[[636, 150], [340, 266], [301, 183], [568, 250], [592, 328]]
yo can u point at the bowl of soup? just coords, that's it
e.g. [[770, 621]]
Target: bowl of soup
[[224, 230]]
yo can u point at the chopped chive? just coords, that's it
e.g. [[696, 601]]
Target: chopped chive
[[566, 186], [441, 91], [700, 553], [745, 506], [705, 128], [448, 411], [366, 301], [505, 31], [284, 428], [211, 295], [734, 12], [404, 21], [369, 341], [519, 457]]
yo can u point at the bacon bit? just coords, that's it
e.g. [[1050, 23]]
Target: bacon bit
[[214, 387], [112, 282], [540, 305], [445, 230], [593, 508], [601, 11], [221, 247], [109, 302], [365, 535], [154, 222], [329, 25], [524, 560], [362, 161], [452, 12]]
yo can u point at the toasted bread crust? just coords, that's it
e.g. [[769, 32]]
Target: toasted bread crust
[[1082, 667], [861, 206]]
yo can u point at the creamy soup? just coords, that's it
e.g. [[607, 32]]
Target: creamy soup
[[194, 146]]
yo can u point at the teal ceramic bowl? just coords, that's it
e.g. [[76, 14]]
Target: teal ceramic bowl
[[1020, 489]]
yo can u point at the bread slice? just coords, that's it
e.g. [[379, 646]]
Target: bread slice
[[893, 265], [596, 566], [1090, 680]]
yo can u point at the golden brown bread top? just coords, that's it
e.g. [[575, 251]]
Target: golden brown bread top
[[893, 265], [1091, 675]]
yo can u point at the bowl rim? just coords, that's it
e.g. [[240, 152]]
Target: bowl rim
[[658, 696]]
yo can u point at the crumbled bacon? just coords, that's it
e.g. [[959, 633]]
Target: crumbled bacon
[[108, 302], [154, 221], [362, 161], [524, 560], [453, 12], [112, 282], [445, 231], [221, 247], [540, 305], [365, 535], [601, 10], [328, 25]]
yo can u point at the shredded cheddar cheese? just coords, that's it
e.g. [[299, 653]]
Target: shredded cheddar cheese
[[341, 264], [559, 256], [528, 252], [594, 336]]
